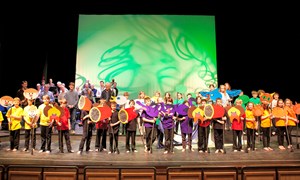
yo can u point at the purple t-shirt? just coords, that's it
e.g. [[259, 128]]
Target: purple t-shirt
[[186, 125], [147, 124]]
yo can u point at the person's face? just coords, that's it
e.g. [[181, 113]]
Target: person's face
[[148, 102], [16, 103], [113, 107], [131, 104], [280, 103]]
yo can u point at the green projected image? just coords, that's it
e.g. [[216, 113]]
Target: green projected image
[[166, 53]]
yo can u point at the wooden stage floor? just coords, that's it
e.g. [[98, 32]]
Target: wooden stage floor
[[142, 159]]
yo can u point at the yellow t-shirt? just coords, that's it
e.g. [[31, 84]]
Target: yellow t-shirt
[[27, 111], [15, 123], [265, 123], [44, 120], [249, 115]]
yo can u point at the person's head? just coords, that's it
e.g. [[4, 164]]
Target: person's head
[[16, 102], [131, 103], [71, 85], [203, 102], [239, 102], [211, 87], [198, 100], [280, 103], [179, 95], [141, 95], [250, 105], [254, 94], [107, 86], [276, 96], [227, 86], [24, 84], [288, 102], [46, 87], [260, 92], [219, 101], [189, 95], [63, 103], [185, 102], [46, 99], [113, 105], [126, 95], [147, 101], [167, 95], [222, 88], [157, 93], [101, 83]]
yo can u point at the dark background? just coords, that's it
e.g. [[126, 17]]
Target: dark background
[[257, 44]]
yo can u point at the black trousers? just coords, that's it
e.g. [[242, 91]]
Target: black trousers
[[14, 137], [251, 138], [280, 134], [184, 142], [237, 139], [130, 137], [218, 136], [28, 136], [203, 133], [168, 139], [46, 133], [61, 134], [148, 136], [87, 133], [113, 137], [266, 136], [101, 136]]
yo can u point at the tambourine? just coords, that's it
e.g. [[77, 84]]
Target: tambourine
[[190, 111], [296, 108], [290, 111], [208, 111], [6, 101], [123, 116], [278, 112], [84, 103], [127, 115], [234, 113], [100, 113], [258, 110], [219, 111], [31, 93], [198, 114]]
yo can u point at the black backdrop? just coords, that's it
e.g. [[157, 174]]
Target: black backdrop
[[257, 44]]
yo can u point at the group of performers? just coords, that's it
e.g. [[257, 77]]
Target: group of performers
[[151, 115]]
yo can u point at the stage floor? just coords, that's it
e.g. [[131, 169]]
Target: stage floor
[[140, 158]]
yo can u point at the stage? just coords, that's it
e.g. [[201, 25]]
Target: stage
[[140, 158]]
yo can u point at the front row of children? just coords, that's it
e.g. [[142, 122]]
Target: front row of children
[[167, 115]]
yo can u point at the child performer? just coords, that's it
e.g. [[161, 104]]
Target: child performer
[[101, 126], [266, 127], [45, 125], [250, 126], [87, 132], [186, 126], [237, 129], [149, 123], [203, 128], [113, 129], [168, 123], [291, 121], [218, 125], [63, 127], [30, 117], [131, 131], [14, 116]]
